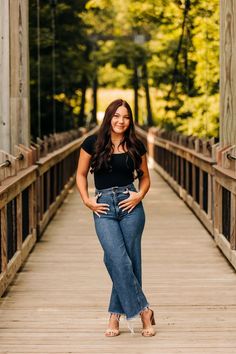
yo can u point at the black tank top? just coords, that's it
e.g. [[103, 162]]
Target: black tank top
[[122, 166]]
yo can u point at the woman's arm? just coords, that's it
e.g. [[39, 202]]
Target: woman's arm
[[82, 184], [144, 181], [144, 184], [82, 173]]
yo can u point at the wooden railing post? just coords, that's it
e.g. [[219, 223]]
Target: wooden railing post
[[4, 238], [227, 73], [5, 76], [225, 167], [150, 145], [233, 222], [19, 220], [14, 73]]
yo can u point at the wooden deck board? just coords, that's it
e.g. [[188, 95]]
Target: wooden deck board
[[58, 301]]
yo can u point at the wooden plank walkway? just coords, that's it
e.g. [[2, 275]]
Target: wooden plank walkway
[[58, 301]]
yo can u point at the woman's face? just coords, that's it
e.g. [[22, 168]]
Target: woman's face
[[120, 120]]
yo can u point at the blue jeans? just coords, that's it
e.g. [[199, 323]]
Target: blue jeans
[[119, 234]]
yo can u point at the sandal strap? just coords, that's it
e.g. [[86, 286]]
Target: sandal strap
[[117, 315], [112, 331]]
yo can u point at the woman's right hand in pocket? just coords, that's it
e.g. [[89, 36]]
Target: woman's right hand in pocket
[[92, 204]]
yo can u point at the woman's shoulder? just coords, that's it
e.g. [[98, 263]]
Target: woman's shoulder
[[91, 137], [141, 147], [88, 143]]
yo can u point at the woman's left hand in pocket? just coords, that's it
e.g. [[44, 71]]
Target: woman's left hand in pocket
[[131, 202]]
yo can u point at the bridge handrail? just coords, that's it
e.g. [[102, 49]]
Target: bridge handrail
[[31, 190], [203, 175]]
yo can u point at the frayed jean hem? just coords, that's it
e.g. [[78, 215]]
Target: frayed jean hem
[[128, 319], [117, 313], [137, 314]]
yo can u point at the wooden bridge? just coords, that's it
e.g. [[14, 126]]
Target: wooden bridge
[[56, 300], [54, 287]]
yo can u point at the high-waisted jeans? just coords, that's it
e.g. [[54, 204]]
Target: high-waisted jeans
[[119, 234]]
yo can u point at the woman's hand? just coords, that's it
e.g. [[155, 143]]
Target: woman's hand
[[92, 204], [131, 202]]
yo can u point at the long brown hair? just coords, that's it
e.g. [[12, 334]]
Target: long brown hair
[[104, 146]]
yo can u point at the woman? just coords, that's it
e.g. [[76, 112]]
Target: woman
[[114, 154]]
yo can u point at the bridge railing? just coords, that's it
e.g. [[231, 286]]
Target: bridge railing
[[35, 181], [56, 175], [33, 184], [225, 202], [203, 175]]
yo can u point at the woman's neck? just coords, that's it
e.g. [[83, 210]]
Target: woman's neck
[[116, 137]]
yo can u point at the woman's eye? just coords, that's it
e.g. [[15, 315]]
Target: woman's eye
[[124, 117]]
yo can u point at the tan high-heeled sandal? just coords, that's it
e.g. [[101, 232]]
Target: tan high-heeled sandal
[[112, 332], [149, 331]]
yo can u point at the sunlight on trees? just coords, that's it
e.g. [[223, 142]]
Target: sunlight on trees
[[163, 56]]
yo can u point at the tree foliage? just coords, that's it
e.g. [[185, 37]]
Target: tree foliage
[[180, 52]]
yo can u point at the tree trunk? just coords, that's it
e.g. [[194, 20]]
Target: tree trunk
[[136, 86], [148, 101], [177, 55], [81, 121], [94, 111]]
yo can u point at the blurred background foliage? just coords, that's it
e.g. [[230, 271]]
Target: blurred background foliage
[[160, 55]]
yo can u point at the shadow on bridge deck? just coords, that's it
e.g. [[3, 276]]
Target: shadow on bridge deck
[[58, 301]]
